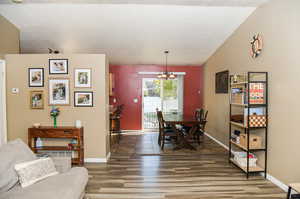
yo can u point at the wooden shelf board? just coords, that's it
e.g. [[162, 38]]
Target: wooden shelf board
[[75, 160], [245, 148], [238, 83], [238, 124], [237, 104], [251, 169], [55, 148]]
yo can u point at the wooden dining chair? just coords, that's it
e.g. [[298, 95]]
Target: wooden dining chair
[[199, 114], [164, 131], [201, 127]]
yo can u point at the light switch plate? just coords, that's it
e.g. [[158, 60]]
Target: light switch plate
[[15, 90]]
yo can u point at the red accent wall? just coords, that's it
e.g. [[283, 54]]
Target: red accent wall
[[128, 85]]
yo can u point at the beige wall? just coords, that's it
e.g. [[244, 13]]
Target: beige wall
[[278, 22], [94, 119], [9, 38]]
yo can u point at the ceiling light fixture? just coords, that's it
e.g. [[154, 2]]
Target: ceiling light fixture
[[166, 74]]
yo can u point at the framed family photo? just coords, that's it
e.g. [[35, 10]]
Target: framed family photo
[[83, 99], [83, 78], [36, 77], [58, 66], [59, 92], [36, 100]]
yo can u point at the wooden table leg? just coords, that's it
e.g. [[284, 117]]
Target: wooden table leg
[[182, 141]]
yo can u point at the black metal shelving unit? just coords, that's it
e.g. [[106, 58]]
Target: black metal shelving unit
[[247, 128]]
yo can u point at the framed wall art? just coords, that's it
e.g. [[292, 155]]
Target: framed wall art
[[58, 66], [37, 99], [83, 78], [83, 99], [59, 92], [222, 80], [36, 77]]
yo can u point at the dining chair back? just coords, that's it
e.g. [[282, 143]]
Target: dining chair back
[[163, 130], [201, 127], [199, 114]]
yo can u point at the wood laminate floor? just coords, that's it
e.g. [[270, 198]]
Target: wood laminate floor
[[138, 169]]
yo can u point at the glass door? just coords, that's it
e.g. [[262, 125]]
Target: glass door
[[159, 94]]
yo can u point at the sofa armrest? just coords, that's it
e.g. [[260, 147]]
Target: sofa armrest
[[62, 164]]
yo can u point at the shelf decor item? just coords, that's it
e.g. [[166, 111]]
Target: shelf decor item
[[249, 113], [59, 92], [58, 66], [83, 78], [36, 77], [54, 113], [256, 46]]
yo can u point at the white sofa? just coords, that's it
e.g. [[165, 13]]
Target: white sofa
[[68, 185]]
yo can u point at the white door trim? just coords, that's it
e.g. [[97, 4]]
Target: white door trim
[[143, 81], [3, 138]]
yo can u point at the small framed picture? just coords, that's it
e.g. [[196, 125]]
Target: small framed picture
[[59, 92], [83, 78], [36, 100], [58, 66], [83, 99], [36, 77]]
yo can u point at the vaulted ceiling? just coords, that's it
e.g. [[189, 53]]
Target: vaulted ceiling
[[129, 31]]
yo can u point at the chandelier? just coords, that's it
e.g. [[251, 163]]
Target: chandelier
[[166, 74]]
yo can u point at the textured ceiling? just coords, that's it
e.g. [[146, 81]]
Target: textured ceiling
[[128, 33], [237, 3]]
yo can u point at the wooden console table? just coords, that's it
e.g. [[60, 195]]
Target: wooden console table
[[59, 132]]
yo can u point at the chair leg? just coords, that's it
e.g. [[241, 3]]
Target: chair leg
[[163, 142], [198, 138], [159, 138]]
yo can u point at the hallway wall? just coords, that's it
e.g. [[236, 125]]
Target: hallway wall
[[9, 38], [278, 23]]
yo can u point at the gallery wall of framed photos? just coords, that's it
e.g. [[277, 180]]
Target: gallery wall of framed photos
[[59, 90], [77, 84]]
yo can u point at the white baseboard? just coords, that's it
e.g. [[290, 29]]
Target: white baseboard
[[274, 180], [277, 182], [97, 160], [108, 156], [217, 141]]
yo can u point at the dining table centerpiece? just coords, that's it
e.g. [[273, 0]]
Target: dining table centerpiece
[[54, 113]]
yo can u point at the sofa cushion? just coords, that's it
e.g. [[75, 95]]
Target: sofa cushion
[[69, 185], [34, 171], [12, 153]]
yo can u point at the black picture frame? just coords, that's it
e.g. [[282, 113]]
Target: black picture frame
[[29, 77], [83, 92], [58, 73], [222, 82]]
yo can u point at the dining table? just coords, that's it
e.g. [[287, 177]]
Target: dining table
[[177, 122]]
